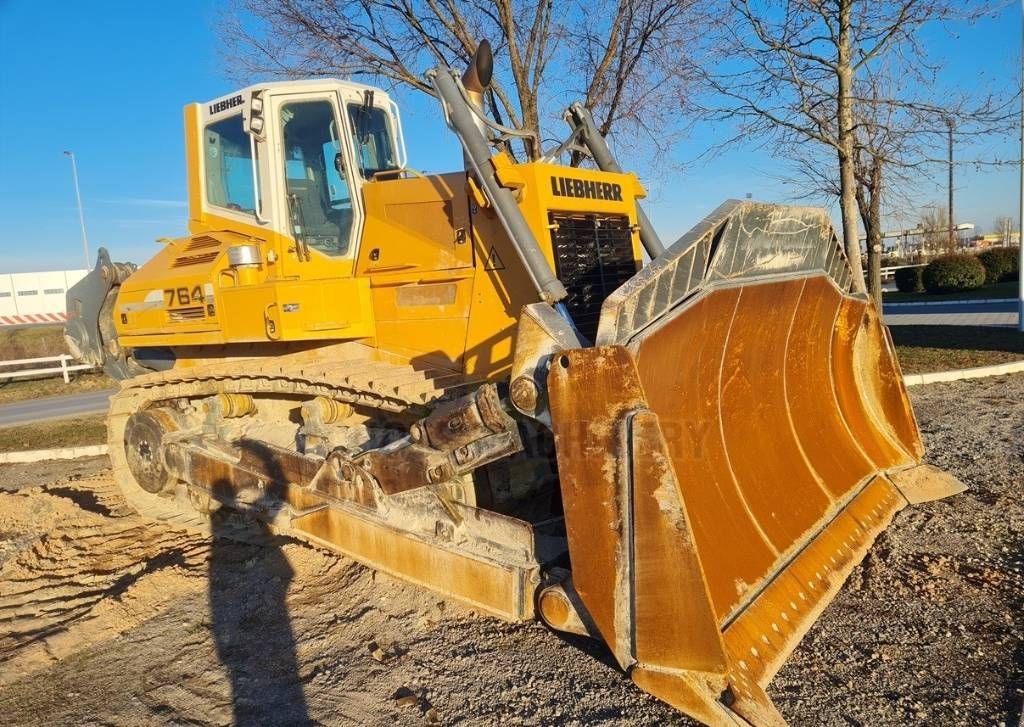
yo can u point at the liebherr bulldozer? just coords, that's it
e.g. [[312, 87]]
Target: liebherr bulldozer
[[480, 383]]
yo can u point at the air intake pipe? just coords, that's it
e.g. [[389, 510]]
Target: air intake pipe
[[475, 80]]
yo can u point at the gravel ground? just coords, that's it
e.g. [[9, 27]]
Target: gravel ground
[[109, 619]]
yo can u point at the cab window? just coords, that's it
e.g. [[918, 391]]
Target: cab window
[[319, 198], [228, 163], [371, 134]]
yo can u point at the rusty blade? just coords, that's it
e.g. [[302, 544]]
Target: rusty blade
[[721, 477]]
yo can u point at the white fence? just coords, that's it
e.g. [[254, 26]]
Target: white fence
[[35, 297], [889, 273], [63, 368]]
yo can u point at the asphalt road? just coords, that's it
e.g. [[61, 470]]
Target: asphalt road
[[954, 313], [55, 407], [956, 306]]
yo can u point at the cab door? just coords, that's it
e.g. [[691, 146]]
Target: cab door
[[321, 211]]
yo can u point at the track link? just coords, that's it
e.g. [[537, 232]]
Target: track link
[[353, 374]]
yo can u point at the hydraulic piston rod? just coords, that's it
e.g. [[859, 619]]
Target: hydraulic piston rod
[[579, 118]]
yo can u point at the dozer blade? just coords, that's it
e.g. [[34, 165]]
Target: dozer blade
[[728, 451]]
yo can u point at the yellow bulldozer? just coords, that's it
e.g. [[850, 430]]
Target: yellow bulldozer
[[500, 385]]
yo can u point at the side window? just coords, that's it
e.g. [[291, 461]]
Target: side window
[[228, 162], [319, 200], [371, 133]]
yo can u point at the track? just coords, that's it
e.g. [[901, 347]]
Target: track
[[347, 373]]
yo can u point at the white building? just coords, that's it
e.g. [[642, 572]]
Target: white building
[[35, 297]]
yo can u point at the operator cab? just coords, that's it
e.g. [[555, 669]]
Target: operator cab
[[291, 158]]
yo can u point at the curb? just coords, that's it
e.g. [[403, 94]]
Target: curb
[[1013, 367], [958, 301], [37, 455]]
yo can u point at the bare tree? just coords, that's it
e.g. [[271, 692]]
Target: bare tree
[[878, 141], [896, 142], [887, 150], [628, 60], [1004, 227], [791, 74], [896, 146], [934, 226]]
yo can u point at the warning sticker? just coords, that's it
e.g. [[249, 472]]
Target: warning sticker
[[493, 261]]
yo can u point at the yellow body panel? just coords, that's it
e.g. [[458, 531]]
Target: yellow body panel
[[434, 279]]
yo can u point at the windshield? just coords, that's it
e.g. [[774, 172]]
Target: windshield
[[373, 142]]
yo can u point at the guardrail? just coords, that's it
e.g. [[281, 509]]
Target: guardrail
[[890, 271], [63, 369]]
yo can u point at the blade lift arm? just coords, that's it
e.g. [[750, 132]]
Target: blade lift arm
[[584, 129]]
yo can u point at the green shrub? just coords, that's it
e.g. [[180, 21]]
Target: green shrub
[[1001, 263], [908, 280], [951, 273]]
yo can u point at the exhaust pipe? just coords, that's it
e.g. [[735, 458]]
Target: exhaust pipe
[[475, 80]]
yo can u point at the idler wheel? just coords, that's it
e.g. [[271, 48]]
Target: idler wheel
[[143, 445]]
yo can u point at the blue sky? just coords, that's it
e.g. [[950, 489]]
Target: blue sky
[[109, 80]]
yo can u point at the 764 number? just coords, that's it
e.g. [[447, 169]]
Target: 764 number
[[183, 296]]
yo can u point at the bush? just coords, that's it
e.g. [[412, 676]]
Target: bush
[[1001, 263], [908, 280], [951, 273]]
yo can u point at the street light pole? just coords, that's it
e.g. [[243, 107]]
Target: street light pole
[[78, 197], [952, 225], [1020, 235]]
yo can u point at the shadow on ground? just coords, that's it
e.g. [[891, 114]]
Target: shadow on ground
[[251, 627]]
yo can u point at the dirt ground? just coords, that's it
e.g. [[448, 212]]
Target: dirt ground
[[108, 619]]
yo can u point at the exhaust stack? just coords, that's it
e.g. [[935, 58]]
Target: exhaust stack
[[475, 80]]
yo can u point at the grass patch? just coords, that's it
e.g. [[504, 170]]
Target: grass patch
[[31, 342], [996, 290], [924, 349], [54, 434]]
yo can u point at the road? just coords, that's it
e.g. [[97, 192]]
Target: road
[[953, 313], [55, 407]]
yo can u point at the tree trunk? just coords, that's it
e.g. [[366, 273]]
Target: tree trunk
[[873, 228], [869, 197], [531, 122], [875, 259], [847, 179]]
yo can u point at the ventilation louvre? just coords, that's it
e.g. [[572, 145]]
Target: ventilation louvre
[[197, 259], [202, 242], [192, 313]]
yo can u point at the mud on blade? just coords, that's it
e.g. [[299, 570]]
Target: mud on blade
[[727, 453]]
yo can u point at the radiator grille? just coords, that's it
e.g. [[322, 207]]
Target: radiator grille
[[593, 257]]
